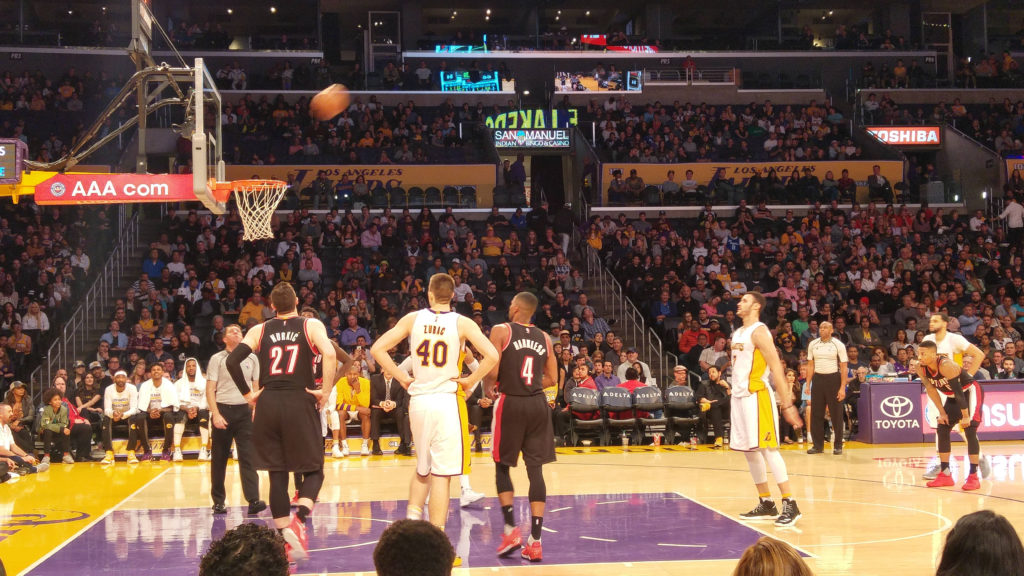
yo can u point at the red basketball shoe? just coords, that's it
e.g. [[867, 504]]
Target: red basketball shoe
[[295, 536], [532, 551], [972, 482], [510, 542], [943, 479]]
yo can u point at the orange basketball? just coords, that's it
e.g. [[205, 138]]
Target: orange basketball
[[330, 102]]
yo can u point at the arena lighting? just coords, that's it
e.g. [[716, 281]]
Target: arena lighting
[[488, 11], [230, 11], [526, 92], [273, 9]]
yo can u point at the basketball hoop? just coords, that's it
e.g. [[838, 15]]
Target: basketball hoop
[[256, 199]]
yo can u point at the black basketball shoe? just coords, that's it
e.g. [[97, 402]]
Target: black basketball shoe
[[790, 514], [765, 510]]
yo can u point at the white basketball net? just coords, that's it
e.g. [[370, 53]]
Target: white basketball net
[[257, 200]]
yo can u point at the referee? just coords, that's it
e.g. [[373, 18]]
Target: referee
[[826, 363], [232, 421]]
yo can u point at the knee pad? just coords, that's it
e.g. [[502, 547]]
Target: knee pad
[[311, 484], [538, 489], [942, 438], [971, 435], [502, 478]]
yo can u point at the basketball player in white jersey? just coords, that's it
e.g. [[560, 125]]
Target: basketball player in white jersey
[[436, 412], [755, 424], [968, 356]]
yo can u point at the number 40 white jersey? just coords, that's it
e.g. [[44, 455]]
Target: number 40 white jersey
[[435, 346]]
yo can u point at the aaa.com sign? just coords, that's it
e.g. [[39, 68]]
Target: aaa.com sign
[[907, 135], [114, 188]]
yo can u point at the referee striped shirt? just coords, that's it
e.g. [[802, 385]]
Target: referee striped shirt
[[826, 355]]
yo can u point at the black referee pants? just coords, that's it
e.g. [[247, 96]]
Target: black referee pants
[[825, 392], [239, 430]]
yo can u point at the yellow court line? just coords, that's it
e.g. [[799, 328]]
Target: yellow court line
[[41, 512]]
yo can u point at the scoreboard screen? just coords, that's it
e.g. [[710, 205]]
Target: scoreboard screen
[[460, 81], [12, 155]]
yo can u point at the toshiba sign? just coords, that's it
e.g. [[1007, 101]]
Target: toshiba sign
[[114, 188], [907, 135]]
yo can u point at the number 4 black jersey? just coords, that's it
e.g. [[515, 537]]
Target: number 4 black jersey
[[523, 358], [286, 354]]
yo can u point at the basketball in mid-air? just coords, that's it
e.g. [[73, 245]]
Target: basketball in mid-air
[[330, 102]]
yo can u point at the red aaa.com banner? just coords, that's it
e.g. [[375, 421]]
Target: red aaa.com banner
[[114, 188]]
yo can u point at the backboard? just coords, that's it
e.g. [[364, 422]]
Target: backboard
[[141, 48], [205, 110]]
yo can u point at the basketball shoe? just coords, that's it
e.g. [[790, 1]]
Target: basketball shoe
[[470, 497], [984, 466], [295, 536], [132, 458], [790, 514], [765, 510], [510, 542], [108, 458], [532, 551], [295, 499], [972, 482], [932, 471], [943, 479]]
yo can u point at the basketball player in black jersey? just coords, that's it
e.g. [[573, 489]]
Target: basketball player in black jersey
[[522, 418], [286, 432], [962, 407]]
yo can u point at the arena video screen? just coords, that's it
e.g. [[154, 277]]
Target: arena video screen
[[461, 81], [599, 81]]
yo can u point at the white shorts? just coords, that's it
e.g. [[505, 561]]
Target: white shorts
[[437, 422], [754, 421], [333, 418]]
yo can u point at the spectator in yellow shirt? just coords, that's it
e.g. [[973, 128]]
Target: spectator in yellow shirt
[[352, 402], [252, 311]]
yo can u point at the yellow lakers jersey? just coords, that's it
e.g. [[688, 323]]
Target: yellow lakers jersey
[[436, 352], [749, 369]]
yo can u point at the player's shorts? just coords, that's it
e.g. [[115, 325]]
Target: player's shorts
[[754, 421], [523, 424], [286, 433], [438, 423], [975, 399]]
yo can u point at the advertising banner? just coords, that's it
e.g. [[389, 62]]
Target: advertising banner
[[907, 135], [1014, 164], [533, 119], [531, 138], [482, 176], [738, 173], [890, 412], [114, 188]]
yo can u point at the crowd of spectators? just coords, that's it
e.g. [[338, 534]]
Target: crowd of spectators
[[46, 257], [262, 130], [683, 132], [999, 125], [878, 273]]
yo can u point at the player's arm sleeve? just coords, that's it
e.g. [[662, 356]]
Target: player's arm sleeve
[[233, 364], [949, 371]]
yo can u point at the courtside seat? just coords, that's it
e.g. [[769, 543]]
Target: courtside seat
[[650, 409], [468, 197], [681, 412], [450, 196], [617, 404], [585, 402]]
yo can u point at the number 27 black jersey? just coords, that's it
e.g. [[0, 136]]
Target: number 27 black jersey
[[286, 354]]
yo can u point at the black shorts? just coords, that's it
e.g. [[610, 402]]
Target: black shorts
[[523, 424], [286, 433]]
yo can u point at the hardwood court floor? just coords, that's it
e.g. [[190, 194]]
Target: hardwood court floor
[[645, 511]]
